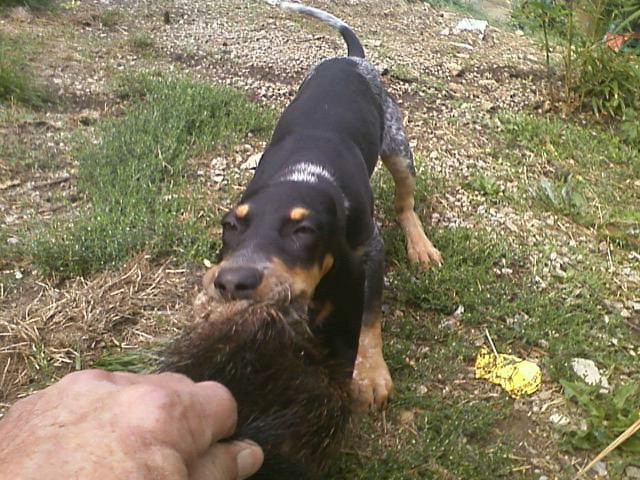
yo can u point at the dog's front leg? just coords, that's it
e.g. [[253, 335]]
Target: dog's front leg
[[372, 385]]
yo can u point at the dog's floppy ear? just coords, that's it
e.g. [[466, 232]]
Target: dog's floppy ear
[[344, 284]]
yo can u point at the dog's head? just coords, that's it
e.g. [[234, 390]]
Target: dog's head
[[279, 241]]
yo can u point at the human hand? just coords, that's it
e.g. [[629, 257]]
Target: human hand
[[100, 425]]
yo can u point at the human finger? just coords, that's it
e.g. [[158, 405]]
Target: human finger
[[228, 461]]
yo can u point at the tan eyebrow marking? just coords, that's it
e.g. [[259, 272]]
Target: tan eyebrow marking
[[242, 210], [298, 213]]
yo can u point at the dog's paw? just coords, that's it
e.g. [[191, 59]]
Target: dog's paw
[[371, 384], [424, 253]]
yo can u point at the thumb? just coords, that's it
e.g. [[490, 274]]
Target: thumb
[[228, 461]]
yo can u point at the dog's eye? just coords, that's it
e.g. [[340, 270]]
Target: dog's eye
[[304, 230]]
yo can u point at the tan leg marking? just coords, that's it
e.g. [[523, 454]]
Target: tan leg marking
[[371, 384], [419, 247]]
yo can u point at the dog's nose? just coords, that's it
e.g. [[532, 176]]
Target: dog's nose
[[238, 282]]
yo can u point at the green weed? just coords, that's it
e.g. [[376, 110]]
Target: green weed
[[584, 173], [486, 185], [134, 178], [33, 5], [134, 361], [594, 76], [17, 80], [110, 18], [563, 198], [142, 41], [606, 415]]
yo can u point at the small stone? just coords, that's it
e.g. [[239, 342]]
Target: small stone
[[252, 161], [13, 240], [18, 275], [445, 32], [600, 469], [464, 46], [588, 371], [632, 472], [559, 419]]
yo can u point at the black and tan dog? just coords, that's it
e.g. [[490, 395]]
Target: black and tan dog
[[305, 222]]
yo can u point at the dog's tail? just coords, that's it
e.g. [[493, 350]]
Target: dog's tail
[[354, 47]]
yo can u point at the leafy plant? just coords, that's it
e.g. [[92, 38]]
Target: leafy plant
[[562, 198], [630, 128], [487, 186], [608, 81], [594, 75], [606, 416]]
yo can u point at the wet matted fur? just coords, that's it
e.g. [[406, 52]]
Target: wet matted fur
[[291, 399]]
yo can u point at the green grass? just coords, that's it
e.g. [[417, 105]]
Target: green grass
[[134, 361], [134, 177], [587, 173], [142, 41], [443, 424], [464, 7], [110, 18], [33, 5], [17, 79]]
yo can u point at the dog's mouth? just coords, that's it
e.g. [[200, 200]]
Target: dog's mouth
[[273, 281], [272, 288]]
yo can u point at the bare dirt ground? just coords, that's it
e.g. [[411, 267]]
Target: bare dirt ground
[[448, 85]]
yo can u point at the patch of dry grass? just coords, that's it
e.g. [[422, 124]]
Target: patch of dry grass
[[66, 327]]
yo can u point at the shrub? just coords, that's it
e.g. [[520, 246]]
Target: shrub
[[594, 75], [17, 82]]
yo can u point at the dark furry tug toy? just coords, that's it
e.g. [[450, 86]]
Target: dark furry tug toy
[[292, 400]]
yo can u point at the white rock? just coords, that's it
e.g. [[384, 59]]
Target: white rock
[[588, 371], [632, 472], [252, 161], [464, 46], [559, 419], [600, 469], [472, 25]]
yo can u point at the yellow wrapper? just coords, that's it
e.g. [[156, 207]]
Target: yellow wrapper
[[515, 375]]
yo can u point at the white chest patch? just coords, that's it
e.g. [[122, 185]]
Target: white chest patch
[[306, 173]]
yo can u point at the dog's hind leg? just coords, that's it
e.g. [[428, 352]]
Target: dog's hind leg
[[397, 157]]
